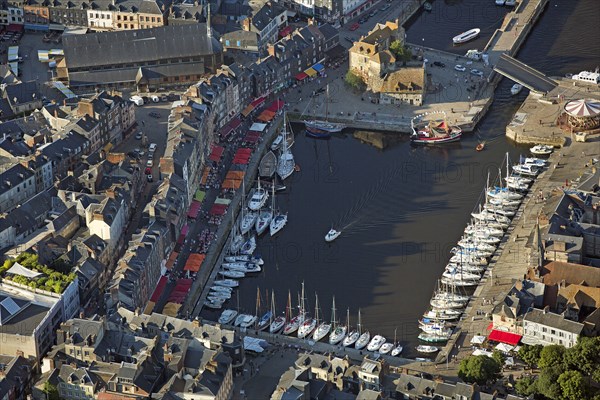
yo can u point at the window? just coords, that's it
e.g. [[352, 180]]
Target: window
[[553, 332]]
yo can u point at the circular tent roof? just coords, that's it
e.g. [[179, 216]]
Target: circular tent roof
[[583, 108]]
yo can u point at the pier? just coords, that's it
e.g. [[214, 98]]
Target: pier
[[445, 89]]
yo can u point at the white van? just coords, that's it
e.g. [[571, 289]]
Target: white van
[[137, 100], [152, 147], [155, 98]]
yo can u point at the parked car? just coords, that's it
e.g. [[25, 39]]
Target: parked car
[[149, 163], [148, 171], [460, 68], [476, 72], [152, 147], [386, 7], [363, 20], [372, 14], [164, 98], [133, 154], [439, 64], [354, 26], [150, 178], [139, 135]]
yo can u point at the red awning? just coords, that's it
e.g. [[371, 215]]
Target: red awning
[[185, 230], [241, 161], [235, 123], [276, 105], [301, 76], [14, 28], [218, 209], [194, 209], [251, 139], [216, 153], [285, 31], [243, 151], [504, 337], [160, 287], [257, 102]]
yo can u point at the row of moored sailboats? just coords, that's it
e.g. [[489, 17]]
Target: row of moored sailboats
[[314, 328], [470, 257]]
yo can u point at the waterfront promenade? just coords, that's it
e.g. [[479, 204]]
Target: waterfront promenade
[[446, 87]]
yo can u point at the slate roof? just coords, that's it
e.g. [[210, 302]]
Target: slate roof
[[553, 320], [265, 15], [13, 177], [25, 321], [328, 31], [138, 46], [24, 92], [16, 148]]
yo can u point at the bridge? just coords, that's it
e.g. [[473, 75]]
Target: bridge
[[522, 73]]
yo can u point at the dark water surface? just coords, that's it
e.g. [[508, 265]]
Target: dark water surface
[[402, 208]]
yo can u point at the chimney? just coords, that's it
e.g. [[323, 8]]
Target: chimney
[[546, 309], [196, 322], [55, 113]]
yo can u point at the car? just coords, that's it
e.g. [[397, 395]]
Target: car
[[164, 98], [476, 72], [149, 163], [133, 154], [363, 20], [149, 177], [460, 68], [139, 135], [439, 64], [152, 147], [354, 26], [386, 7], [154, 114], [148, 171], [150, 156], [372, 14]]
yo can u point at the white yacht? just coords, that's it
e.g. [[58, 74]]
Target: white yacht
[[466, 36], [538, 162], [363, 341], [248, 221], [397, 351], [258, 199], [351, 338], [249, 246], [386, 348], [263, 221], [306, 328], [526, 169], [338, 334], [227, 283], [248, 321], [277, 223], [427, 349], [247, 258], [516, 89], [541, 150], [242, 318], [332, 235], [227, 316], [376, 343], [232, 274]]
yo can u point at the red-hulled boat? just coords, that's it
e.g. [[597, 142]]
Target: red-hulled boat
[[434, 132]]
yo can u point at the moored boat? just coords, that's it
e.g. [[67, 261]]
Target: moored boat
[[541, 150], [386, 348], [516, 89], [427, 349], [466, 36], [363, 341], [434, 132], [227, 316], [227, 283], [376, 343]]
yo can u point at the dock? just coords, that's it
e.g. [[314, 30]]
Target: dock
[[445, 91]]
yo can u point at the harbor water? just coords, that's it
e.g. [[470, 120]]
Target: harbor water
[[401, 208]]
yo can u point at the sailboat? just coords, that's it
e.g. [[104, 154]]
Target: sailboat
[[286, 163], [278, 221], [397, 347], [249, 246], [339, 331], [324, 328], [309, 324], [293, 322], [323, 129], [237, 240], [278, 323], [353, 336], [248, 217], [265, 320], [259, 198], [364, 338], [265, 217]]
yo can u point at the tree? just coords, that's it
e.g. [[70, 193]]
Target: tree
[[525, 386], [584, 356], [551, 356], [354, 80], [499, 357], [479, 369], [400, 51], [51, 391], [573, 385], [547, 384], [530, 354]]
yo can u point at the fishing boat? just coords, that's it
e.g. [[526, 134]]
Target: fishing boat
[[376, 343], [516, 89], [227, 316], [268, 165], [258, 199], [386, 348], [427, 349], [433, 132], [339, 331], [309, 324], [292, 323], [227, 283], [480, 146], [427, 7], [323, 328], [278, 323], [232, 274], [526, 169], [323, 128], [466, 36], [249, 246], [435, 337], [541, 150], [332, 235], [286, 163]]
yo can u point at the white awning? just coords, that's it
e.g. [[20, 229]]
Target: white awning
[[257, 127], [18, 269], [254, 344], [480, 352], [503, 347], [478, 339]]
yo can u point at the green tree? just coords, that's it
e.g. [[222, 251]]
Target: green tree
[[547, 383], [584, 356], [551, 356], [530, 354], [400, 51], [354, 80], [479, 369], [499, 357], [51, 391], [573, 385], [525, 386]]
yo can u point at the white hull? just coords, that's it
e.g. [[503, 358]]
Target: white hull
[[466, 36], [277, 223], [350, 339], [321, 331], [363, 341], [337, 335]]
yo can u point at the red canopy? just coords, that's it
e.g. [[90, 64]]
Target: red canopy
[[285, 31], [504, 337], [216, 153], [276, 105], [194, 209], [257, 102], [185, 230], [243, 150], [160, 287], [230, 127], [301, 76], [218, 209], [242, 161], [180, 291]]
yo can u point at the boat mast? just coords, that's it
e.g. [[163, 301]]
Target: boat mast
[[302, 302], [333, 322], [257, 305], [317, 308], [288, 310], [359, 324], [272, 307], [327, 103], [348, 320]]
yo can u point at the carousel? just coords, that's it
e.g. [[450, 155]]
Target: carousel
[[581, 115]]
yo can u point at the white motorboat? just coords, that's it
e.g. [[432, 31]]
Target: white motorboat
[[471, 268], [427, 349], [351, 338], [248, 221], [484, 237], [500, 2], [216, 304], [436, 329], [507, 212], [541, 150], [212, 296], [460, 259], [286, 163], [444, 315], [227, 283], [522, 187], [518, 179], [486, 215], [249, 246], [245, 267], [363, 341], [332, 235], [386, 348], [469, 243], [376, 343], [445, 304], [466, 36], [526, 169], [247, 258], [459, 282], [435, 337], [216, 288], [258, 199], [277, 324], [483, 229], [248, 321], [538, 162], [241, 318], [503, 194], [232, 274], [397, 351], [277, 223], [510, 3], [227, 316], [277, 142], [516, 88]]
